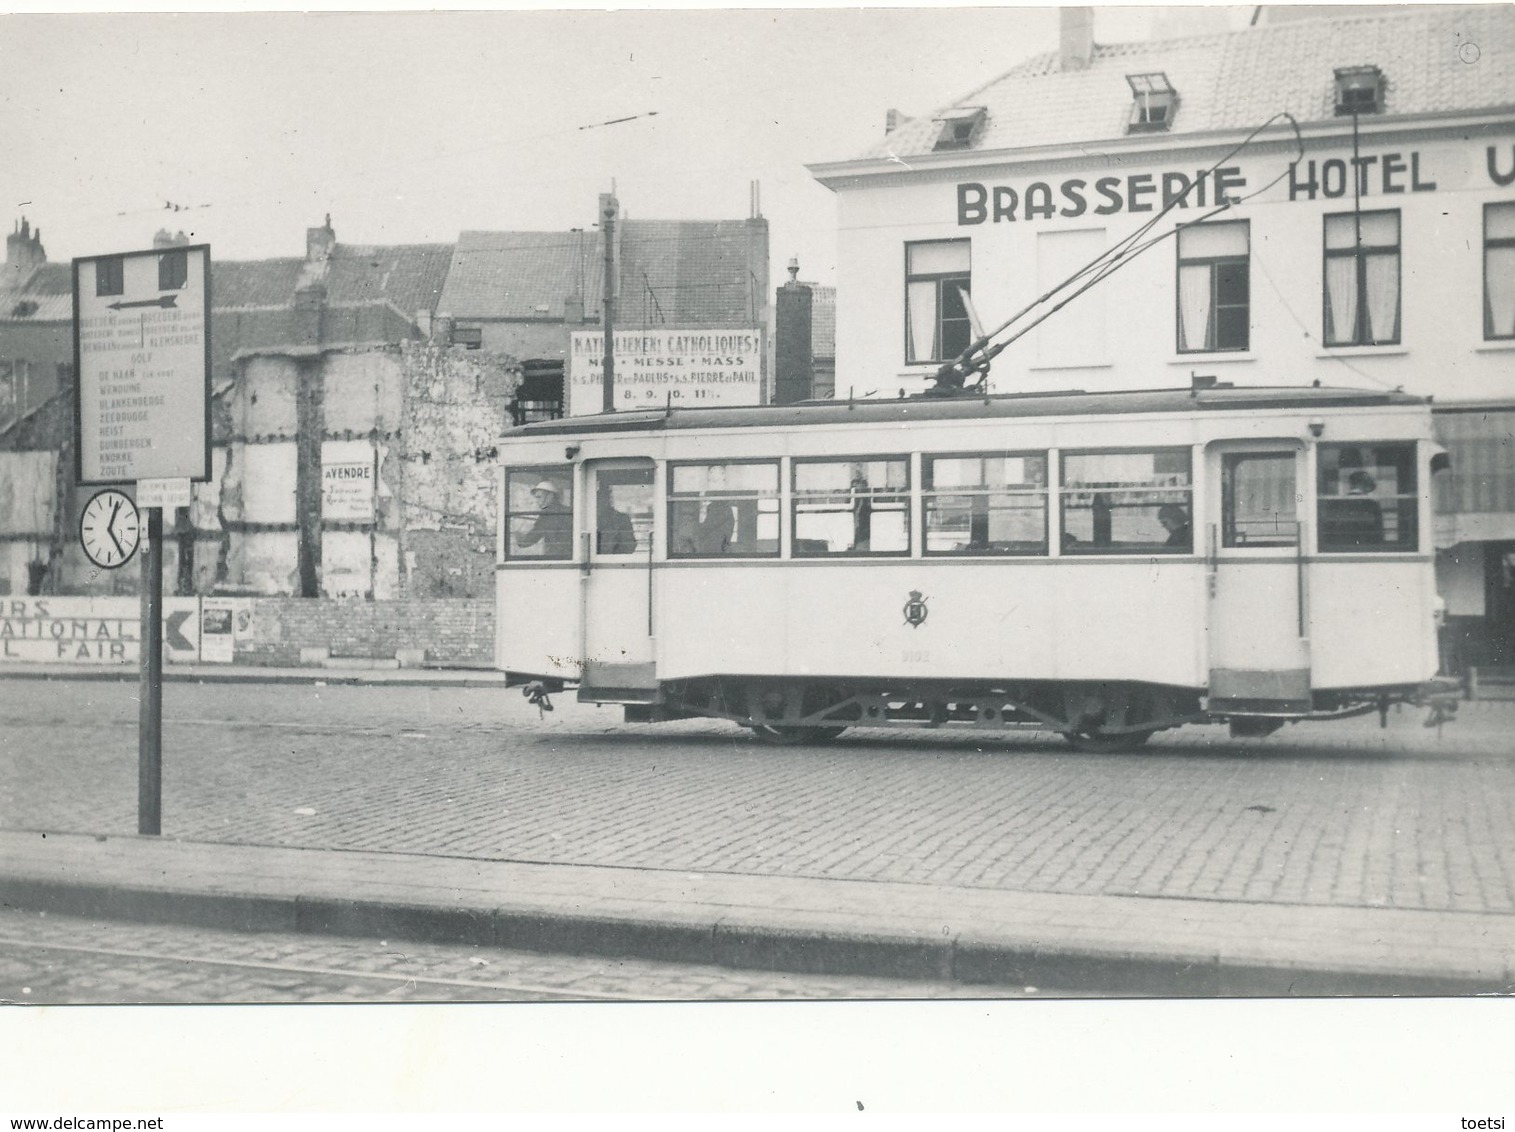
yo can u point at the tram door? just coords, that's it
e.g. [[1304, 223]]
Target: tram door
[[1259, 618], [617, 594]]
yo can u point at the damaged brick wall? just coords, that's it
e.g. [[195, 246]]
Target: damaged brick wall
[[456, 407]]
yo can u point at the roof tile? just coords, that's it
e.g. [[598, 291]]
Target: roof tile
[[1238, 80]]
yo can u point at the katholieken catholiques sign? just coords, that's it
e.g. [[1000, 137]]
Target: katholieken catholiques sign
[[662, 366]]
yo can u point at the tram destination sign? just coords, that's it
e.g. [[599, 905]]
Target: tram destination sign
[[142, 365]]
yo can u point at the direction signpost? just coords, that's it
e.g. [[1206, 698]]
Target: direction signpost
[[142, 416]]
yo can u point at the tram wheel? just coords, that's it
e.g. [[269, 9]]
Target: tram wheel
[[1101, 743], [794, 736]]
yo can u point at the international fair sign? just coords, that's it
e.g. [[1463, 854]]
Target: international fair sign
[[660, 367], [142, 365]]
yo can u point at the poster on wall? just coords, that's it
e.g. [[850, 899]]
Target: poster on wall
[[347, 481], [660, 367]]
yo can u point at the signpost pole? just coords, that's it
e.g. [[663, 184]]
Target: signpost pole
[[150, 709]]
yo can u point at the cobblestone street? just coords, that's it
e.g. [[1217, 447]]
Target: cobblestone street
[[1340, 814]]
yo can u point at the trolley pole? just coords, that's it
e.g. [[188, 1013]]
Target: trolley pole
[[150, 707], [609, 207]]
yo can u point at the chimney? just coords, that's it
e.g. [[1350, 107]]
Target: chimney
[[1076, 38], [163, 238], [23, 249], [319, 242], [794, 357]]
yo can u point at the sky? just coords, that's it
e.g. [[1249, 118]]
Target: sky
[[411, 127]]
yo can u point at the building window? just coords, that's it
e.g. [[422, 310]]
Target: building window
[[727, 510], [469, 337], [173, 270], [1257, 500], [851, 507], [539, 512], [1359, 90], [985, 504], [1499, 271], [937, 277], [1127, 502], [959, 127], [1214, 293], [1367, 498], [1156, 102], [110, 276], [1362, 279]]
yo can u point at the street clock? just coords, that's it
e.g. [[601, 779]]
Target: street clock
[[109, 529]]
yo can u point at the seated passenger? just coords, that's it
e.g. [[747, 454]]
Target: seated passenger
[[1354, 519], [711, 534], [1175, 521]]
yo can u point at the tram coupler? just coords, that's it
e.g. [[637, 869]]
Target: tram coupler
[[1443, 696], [536, 693]]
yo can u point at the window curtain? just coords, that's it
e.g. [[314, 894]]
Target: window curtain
[[1341, 300], [1499, 274], [1194, 307], [1383, 298], [920, 299]]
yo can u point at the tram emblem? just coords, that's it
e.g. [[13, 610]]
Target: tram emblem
[[915, 610]]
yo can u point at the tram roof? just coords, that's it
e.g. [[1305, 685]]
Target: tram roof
[[1071, 403]]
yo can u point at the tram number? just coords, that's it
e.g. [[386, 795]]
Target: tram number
[[916, 656]]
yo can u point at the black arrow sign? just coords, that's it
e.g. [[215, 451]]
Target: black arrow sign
[[171, 630], [164, 301]]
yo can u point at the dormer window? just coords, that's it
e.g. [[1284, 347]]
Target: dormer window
[[960, 127], [1359, 90], [1156, 102]]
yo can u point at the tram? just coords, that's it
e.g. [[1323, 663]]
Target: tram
[[1105, 566]]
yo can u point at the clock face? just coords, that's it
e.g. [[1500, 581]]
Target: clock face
[[109, 529]]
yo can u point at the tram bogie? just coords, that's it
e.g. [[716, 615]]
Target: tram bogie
[[1104, 566]]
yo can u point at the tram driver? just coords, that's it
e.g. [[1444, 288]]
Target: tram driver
[[553, 526]]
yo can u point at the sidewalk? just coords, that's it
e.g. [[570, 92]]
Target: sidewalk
[[260, 674], [1130, 946]]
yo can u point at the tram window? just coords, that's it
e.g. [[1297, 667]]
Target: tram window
[[1257, 500], [1127, 502], [623, 511], [851, 507], [1367, 497], [728, 510], [539, 512], [985, 504]]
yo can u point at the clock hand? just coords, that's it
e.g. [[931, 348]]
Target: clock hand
[[110, 528]]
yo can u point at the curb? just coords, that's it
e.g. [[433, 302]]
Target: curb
[[717, 940]]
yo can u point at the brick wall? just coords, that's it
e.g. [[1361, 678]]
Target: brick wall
[[457, 633]]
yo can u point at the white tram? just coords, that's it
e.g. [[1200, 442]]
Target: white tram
[[1103, 565]]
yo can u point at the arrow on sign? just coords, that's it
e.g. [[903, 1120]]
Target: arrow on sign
[[164, 301], [176, 639]]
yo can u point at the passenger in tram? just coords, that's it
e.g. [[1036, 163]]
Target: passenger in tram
[[615, 533], [711, 534], [862, 511], [1175, 521], [553, 527], [1354, 519]]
